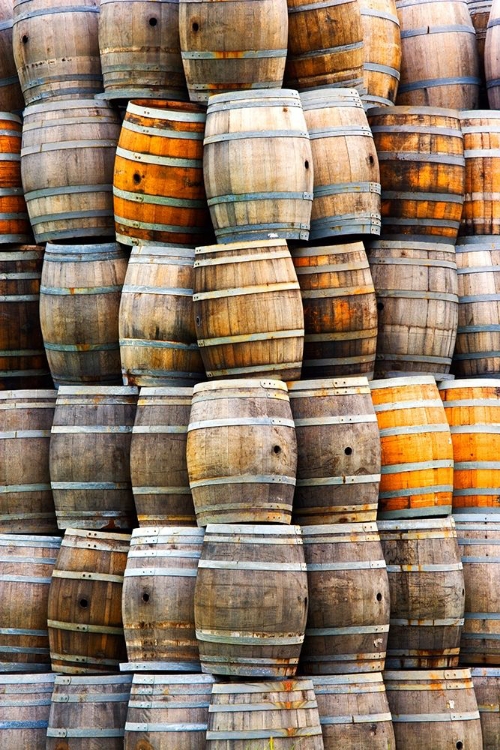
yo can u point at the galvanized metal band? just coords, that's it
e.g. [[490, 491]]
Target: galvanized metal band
[[332, 268], [428, 568], [66, 146], [20, 298], [410, 294], [166, 539], [379, 68], [81, 347], [90, 697], [8, 25], [120, 220], [170, 572], [427, 403], [246, 338], [420, 262], [178, 135], [436, 158], [72, 291], [30, 434], [340, 130], [495, 21], [342, 480], [339, 188], [65, 215], [481, 269], [247, 639], [477, 465], [66, 190], [336, 292], [161, 666], [242, 422], [443, 717], [25, 579], [10, 157], [8, 192], [158, 200], [443, 622], [250, 134], [417, 466], [94, 732], [338, 50], [415, 429], [232, 736], [368, 358], [409, 491], [314, 6], [482, 616], [150, 344], [435, 82], [133, 726], [91, 429], [437, 510], [334, 224], [357, 565], [492, 328], [164, 161], [159, 429], [277, 254], [355, 719], [355, 630], [197, 702], [165, 114], [251, 565], [253, 534], [263, 230], [471, 429], [479, 298], [248, 707], [232, 54], [80, 575], [258, 196], [8, 488], [89, 487], [171, 291], [24, 631], [83, 627], [160, 491], [18, 17], [24, 724], [344, 419], [476, 355], [446, 29]]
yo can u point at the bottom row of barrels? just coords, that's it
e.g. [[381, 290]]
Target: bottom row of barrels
[[441, 709]]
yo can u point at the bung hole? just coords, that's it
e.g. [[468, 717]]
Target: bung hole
[[306, 164], [348, 451], [459, 745], [379, 597], [145, 597], [84, 603], [380, 305], [277, 449], [137, 178], [25, 38], [196, 26], [153, 21]]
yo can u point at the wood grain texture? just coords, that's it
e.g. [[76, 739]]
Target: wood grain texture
[[11, 96], [492, 56], [481, 212], [25, 701], [14, 221], [381, 52], [486, 687]]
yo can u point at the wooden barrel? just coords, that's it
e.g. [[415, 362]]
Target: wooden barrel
[[14, 221], [11, 96], [79, 301], [325, 44], [438, 32], [241, 452], [26, 565], [417, 453], [279, 714], [250, 601], [158, 599], [426, 582], [416, 286], [345, 165], [477, 349], [491, 57], [158, 191], [480, 15], [422, 171], [23, 363], [168, 711], [340, 312], [473, 412], [232, 46], [139, 49], [56, 49], [158, 466], [27, 506], [24, 710], [157, 332], [381, 51], [479, 540], [84, 607], [338, 451], [67, 155], [88, 712], [345, 635], [435, 709], [90, 457], [481, 212], [248, 310], [258, 166], [487, 689], [354, 712]]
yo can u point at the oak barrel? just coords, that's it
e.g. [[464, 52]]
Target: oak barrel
[[158, 466], [250, 601], [487, 689], [158, 599], [258, 166], [232, 46], [241, 452], [381, 52], [481, 212], [480, 15], [14, 221], [345, 634], [491, 56], [84, 607], [79, 301], [11, 96], [338, 449], [157, 332], [24, 710]]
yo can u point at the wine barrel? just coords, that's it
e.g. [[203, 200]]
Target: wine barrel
[[435, 709], [248, 310], [426, 582], [491, 57], [158, 599], [11, 96], [14, 221], [258, 166], [26, 565], [79, 301], [168, 712], [281, 714], [345, 165], [477, 349], [84, 607], [479, 15], [354, 712], [486, 687], [232, 46], [416, 287], [250, 601], [158, 192], [340, 313], [140, 51], [417, 452], [338, 451], [241, 452], [24, 710], [422, 171], [88, 712], [158, 466], [157, 332], [439, 64], [481, 212], [67, 155], [381, 51], [345, 635], [325, 44], [90, 457]]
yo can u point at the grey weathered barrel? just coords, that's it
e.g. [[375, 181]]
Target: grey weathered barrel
[[11, 96], [24, 710], [487, 689]]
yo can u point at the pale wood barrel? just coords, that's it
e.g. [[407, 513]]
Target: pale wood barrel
[[84, 607], [491, 56], [354, 712], [250, 602], [340, 310], [481, 212], [156, 326], [158, 466], [158, 599], [232, 46], [345, 635], [381, 51], [79, 302], [90, 457], [338, 451], [11, 96], [487, 689], [258, 166], [88, 712], [24, 710], [14, 221], [416, 286], [480, 15], [241, 452], [281, 715]]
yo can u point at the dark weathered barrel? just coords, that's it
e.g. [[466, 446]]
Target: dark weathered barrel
[[24, 710]]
